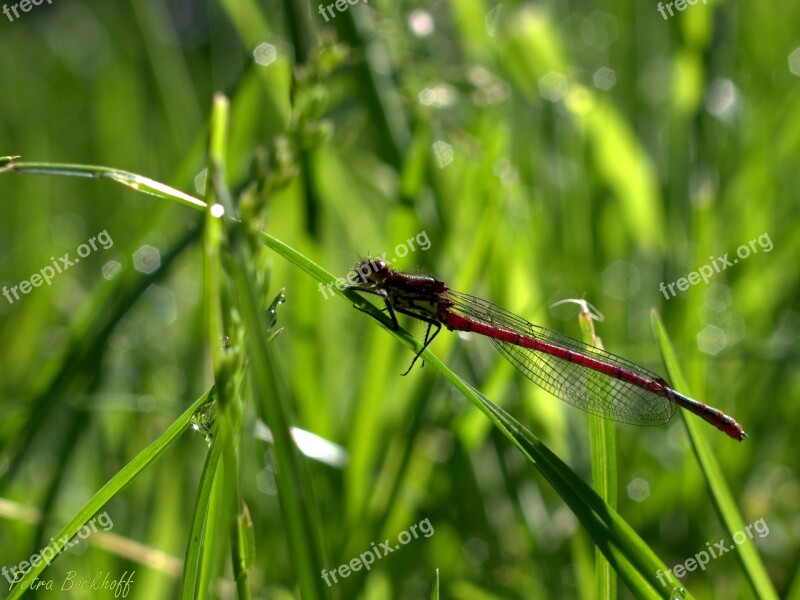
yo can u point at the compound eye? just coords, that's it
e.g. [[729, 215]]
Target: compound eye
[[379, 267], [365, 271]]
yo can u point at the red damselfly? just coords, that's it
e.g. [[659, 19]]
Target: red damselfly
[[590, 378]]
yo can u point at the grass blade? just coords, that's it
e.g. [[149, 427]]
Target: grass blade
[[197, 564], [630, 556], [115, 486], [721, 494], [604, 463]]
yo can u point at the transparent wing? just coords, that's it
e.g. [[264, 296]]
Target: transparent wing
[[572, 382]]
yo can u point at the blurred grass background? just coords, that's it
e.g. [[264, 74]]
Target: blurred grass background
[[547, 151]]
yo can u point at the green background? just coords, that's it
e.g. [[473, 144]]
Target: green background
[[546, 151]]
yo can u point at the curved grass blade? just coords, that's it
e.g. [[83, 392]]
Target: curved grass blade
[[721, 494], [140, 183], [630, 556], [115, 486]]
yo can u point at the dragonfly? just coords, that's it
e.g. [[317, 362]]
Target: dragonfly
[[582, 375]]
